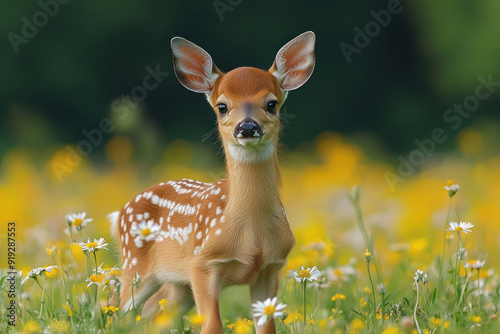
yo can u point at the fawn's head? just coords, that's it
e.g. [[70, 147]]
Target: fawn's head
[[246, 100]]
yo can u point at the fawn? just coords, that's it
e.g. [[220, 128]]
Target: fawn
[[188, 239]]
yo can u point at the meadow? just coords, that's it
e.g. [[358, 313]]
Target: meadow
[[369, 258]]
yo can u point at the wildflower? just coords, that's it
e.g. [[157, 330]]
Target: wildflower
[[59, 326], [436, 322], [451, 187], [463, 226], [381, 289], [407, 321], [338, 296], [163, 320], [291, 317], [379, 314], [110, 310], [34, 273], [53, 273], [197, 319], [345, 273], [368, 256], [357, 324], [77, 220], [391, 330], [477, 319], [138, 318], [97, 278], [93, 246], [474, 264], [446, 324], [302, 274], [31, 327], [163, 302], [362, 302], [241, 326], [367, 290], [419, 276], [77, 252], [266, 309], [144, 232], [68, 309]]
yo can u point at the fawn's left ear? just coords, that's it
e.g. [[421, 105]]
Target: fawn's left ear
[[193, 66], [294, 62]]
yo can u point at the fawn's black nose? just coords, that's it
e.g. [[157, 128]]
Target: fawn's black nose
[[248, 128]]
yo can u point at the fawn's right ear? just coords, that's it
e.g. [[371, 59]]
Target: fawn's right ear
[[193, 66]]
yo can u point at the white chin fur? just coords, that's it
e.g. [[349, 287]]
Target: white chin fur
[[248, 141], [250, 153]]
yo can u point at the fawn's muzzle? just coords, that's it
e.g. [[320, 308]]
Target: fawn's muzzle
[[248, 128]]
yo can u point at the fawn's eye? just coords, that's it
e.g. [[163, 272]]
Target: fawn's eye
[[271, 107], [222, 108]]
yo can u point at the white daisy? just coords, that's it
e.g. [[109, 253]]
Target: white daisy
[[37, 272], [78, 220], [301, 275], [475, 264], [463, 226], [267, 309], [451, 187], [144, 232], [92, 246]]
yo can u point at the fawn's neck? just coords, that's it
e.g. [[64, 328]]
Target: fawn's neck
[[253, 189]]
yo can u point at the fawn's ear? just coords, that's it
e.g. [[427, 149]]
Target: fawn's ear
[[294, 62], [193, 66]]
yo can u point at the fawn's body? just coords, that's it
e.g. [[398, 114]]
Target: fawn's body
[[211, 235]]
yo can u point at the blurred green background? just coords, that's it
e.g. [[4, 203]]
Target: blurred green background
[[395, 90]]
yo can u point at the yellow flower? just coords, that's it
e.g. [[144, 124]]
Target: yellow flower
[[77, 252], [96, 279], [110, 310], [436, 322], [367, 290], [59, 326], [357, 324], [138, 318], [338, 296], [197, 319], [241, 326], [162, 320], [68, 309], [53, 273], [163, 303], [291, 317], [368, 256], [391, 330], [362, 302], [31, 327], [477, 319]]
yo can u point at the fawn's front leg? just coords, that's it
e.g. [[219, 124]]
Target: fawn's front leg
[[206, 290], [265, 287]]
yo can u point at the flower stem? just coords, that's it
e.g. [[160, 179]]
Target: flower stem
[[373, 292], [440, 286], [415, 311], [478, 291], [304, 283]]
